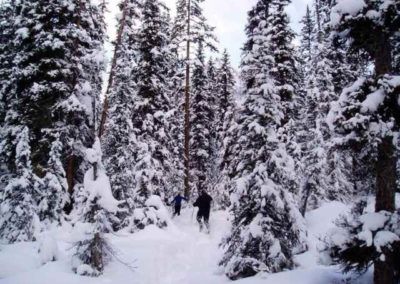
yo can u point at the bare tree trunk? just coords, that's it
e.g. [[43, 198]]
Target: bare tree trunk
[[386, 163], [112, 70], [187, 108], [386, 176], [303, 209]]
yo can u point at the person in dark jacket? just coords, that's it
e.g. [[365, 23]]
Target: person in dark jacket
[[178, 204], [204, 204]]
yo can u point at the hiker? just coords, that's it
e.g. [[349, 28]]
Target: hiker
[[204, 204], [178, 204]]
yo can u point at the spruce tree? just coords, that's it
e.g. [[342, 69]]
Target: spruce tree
[[19, 221], [151, 103], [7, 14], [118, 139], [56, 80], [307, 36], [263, 205], [202, 119], [95, 211], [190, 27], [53, 188], [7, 27], [366, 112], [224, 121]]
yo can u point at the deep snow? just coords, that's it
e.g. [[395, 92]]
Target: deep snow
[[179, 254]]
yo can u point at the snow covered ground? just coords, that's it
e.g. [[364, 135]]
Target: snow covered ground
[[177, 255]]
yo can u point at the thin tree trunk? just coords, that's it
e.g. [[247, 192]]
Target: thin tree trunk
[[303, 209], [187, 108], [386, 176], [112, 70], [386, 163]]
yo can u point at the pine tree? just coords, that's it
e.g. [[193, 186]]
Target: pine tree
[[96, 208], [190, 28], [56, 79], [366, 112], [54, 187], [118, 139], [263, 205], [7, 13], [18, 221], [225, 92], [327, 167], [81, 107], [202, 118], [307, 36], [151, 104], [224, 121], [7, 17], [175, 114]]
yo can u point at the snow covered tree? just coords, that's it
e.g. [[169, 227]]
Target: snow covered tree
[[176, 114], [53, 187], [80, 108], [151, 156], [7, 17], [327, 168], [224, 121], [190, 28], [19, 221], [307, 36], [267, 226], [367, 112], [201, 120], [7, 13], [118, 140], [225, 92], [363, 238], [56, 79], [95, 211]]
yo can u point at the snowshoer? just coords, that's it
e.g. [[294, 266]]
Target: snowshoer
[[204, 204], [178, 204]]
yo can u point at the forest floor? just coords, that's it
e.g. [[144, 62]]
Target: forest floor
[[179, 254]]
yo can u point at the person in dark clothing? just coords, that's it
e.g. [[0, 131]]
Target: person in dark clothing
[[178, 204], [204, 204]]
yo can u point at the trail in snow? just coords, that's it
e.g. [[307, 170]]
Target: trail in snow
[[179, 254]]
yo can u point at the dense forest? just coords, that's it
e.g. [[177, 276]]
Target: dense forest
[[102, 147]]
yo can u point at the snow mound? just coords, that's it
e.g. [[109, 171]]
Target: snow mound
[[101, 189], [154, 213], [48, 248]]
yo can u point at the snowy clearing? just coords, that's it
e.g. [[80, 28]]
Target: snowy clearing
[[177, 255]]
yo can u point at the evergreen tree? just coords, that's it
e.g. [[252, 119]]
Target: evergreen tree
[[366, 112], [55, 80], [326, 167], [54, 187], [225, 92], [190, 28], [263, 205], [118, 140], [18, 221], [7, 17], [96, 208], [224, 121], [307, 36], [151, 103], [7, 14], [202, 119]]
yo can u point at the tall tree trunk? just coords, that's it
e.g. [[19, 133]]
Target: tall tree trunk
[[187, 108], [121, 28], [386, 163]]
